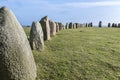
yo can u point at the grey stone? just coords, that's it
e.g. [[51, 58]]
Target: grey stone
[[36, 37], [67, 25], [70, 25], [46, 27], [113, 24], [118, 25], [16, 58], [74, 26], [52, 28], [109, 25], [77, 25], [100, 24], [61, 26], [57, 27]]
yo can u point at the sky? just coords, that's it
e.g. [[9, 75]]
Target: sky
[[80, 11]]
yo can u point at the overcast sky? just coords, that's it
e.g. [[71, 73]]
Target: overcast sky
[[81, 11]]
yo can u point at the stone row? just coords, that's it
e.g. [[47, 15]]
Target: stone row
[[77, 25]]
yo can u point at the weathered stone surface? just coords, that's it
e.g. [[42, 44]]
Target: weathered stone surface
[[57, 27], [16, 58], [52, 28], [46, 27], [36, 37]]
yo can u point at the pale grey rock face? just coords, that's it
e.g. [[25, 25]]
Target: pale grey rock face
[[46, 27], [16, 58], [57, 27], [36, 37], [52, 28]]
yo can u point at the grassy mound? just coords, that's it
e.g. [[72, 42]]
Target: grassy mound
[[80, 54]]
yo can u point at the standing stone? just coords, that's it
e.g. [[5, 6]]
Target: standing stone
[[61, 26], [57, 27], [109, 25], [74, 25], [36, 37], [86, 25], [113, 24], [118, 25], [67, 25], [52, 28], [46, 27], [70, 25], [77, 25], [16, 58], [100, 24], [90, 24]]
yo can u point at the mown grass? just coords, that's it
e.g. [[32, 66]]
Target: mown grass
[[80, 54]]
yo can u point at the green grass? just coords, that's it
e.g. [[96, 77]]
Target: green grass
[[80, 54]]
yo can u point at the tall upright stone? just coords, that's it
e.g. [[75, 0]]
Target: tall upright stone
[[46, 27], [52, 28], [86, 25], [57, 27], [118, 25], [109, 25], [67, 25], [91, 24], [100, 24], [74, 26], [61, 26], [71, 25], [77, 25], [16, 58], [113, 24], [36, 37]]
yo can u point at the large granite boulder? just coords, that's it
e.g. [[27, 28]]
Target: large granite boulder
[[36, 37], [46, 27], [16, 58], [52, 28]]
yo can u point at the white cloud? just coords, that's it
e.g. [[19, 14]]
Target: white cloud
[[93, 4]]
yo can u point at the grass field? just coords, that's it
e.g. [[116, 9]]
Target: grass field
[[80, 54]]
